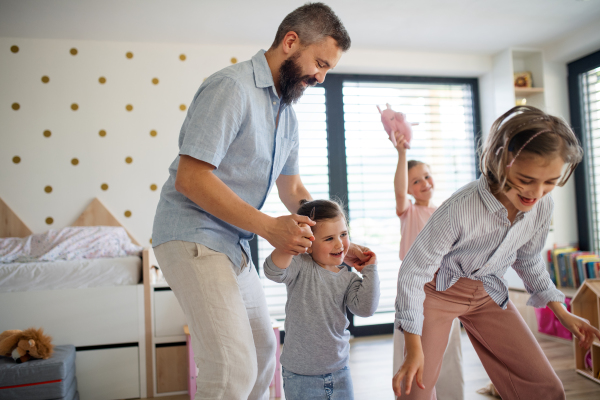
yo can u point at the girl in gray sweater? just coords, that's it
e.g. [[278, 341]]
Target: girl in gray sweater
[[319, 288]]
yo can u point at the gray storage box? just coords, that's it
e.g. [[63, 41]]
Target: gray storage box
[[49, 379]]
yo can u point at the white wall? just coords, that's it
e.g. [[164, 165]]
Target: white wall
[[46, 161]]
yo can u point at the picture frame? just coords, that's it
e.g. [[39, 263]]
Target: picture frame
[[522, 79]]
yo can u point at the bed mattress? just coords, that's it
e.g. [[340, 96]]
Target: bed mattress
[[73, 274]]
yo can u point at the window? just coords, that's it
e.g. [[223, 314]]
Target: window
[[345, 152], [584, 98], [444, 139], [310, 111]]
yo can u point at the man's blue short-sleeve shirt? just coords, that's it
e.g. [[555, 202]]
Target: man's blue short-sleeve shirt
[[230, 124]]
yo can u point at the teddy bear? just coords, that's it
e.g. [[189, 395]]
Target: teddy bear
[[25, 345]]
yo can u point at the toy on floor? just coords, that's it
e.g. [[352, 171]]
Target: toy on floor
[[25, 345], [394, 121]]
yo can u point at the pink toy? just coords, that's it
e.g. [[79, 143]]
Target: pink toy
[[396, 122]]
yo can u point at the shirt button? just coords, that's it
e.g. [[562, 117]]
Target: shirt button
[[274, 102]]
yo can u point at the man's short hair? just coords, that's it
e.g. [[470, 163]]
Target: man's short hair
[[313, 22]]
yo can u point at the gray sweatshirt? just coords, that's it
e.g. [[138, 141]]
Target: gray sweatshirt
[[316, 334]]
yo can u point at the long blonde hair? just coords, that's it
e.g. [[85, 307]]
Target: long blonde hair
[[529, 130]]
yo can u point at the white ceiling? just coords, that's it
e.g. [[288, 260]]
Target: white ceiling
[[471, 26]]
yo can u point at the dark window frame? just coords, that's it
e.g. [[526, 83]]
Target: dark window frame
[[336, 146], [582, 195]]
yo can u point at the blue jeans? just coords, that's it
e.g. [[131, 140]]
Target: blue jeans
[[334, 386]]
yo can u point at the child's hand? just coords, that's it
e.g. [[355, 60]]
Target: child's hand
[[412, 367], [401, 143], [372, 260], [580, 328], [356, 255]]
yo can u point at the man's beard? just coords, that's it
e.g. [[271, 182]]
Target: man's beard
[[290, 80]]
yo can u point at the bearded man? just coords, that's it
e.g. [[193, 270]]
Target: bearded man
[[239, 138]]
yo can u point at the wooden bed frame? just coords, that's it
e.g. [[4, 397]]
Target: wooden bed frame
[[105, 324]]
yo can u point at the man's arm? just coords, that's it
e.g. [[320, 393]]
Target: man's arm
[[196, 180], [291, 191]]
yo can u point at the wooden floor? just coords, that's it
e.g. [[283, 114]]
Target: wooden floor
[[371, 366]]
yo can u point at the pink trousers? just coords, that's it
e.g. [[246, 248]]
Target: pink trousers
[[506, 347]]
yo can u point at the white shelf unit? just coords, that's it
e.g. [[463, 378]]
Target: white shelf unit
[[166, 351], [505, 65]]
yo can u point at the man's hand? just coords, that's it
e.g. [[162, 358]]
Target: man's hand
[[412, 366], [290, 233]]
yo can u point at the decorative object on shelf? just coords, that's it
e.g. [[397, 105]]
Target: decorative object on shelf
[[521, 102], [587, 360], [523, 79]]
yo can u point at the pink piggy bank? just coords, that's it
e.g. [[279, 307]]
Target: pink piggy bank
[[395, 122]]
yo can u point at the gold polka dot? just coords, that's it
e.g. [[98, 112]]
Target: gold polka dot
[[104, 186], [74, 161], [150, 240], [129, 107], [16, 106], [45, 79], [102, 133], [153, 133], [203, 79], [155, 81], [16, 159], [74, 107], [15, 49], [182, 107], [102, 80], [48, 189], [129, 160], [49, 220], [233, 60], [127, 213], [129, 55], [47, 133], [153, 187], [73, 51]]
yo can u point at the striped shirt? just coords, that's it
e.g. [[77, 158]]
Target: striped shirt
[[470, 236]]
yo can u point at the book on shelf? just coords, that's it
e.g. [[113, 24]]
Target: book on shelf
[[569, 266]]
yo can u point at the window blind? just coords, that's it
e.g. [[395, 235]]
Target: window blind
[[444, 139], [590, 108], [314, 167]]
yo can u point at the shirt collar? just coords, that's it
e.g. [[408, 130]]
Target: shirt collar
[[490, 201], [263, 78]]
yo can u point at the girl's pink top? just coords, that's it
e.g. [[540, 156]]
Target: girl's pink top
[[412, 221]]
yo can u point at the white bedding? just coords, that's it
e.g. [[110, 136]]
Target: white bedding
[[72, 243], [73, 274]]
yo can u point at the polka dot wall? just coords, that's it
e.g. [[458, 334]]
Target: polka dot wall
[[81, 119]]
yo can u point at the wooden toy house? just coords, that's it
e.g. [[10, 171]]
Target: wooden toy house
[[586, 304]]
